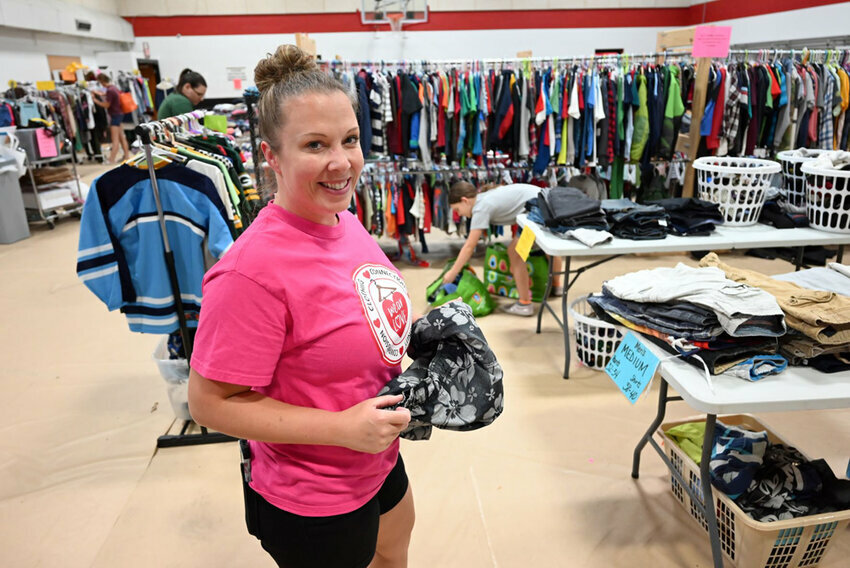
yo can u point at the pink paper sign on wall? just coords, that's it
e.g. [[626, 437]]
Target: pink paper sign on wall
[[712, 41], [46, 144]]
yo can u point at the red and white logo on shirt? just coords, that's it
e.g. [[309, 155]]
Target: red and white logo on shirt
[[383, 296]]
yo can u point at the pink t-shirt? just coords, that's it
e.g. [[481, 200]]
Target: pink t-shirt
[[313, 316]]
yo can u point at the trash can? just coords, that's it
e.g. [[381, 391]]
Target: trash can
[[13, 217]]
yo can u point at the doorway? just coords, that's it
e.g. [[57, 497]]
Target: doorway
[[149, 69]]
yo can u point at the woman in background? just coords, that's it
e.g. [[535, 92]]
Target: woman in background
[[111, 101], [191, 90]]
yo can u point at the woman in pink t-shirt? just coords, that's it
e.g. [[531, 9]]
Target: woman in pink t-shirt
[[304, 320]]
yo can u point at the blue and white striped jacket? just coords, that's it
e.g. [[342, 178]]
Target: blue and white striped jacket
[[120, 256]]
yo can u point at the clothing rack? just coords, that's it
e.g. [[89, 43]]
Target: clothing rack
[[767, 53], [145, 132], [745, 55], [349, 70], [473, 64], [441, 169], [252, 98]]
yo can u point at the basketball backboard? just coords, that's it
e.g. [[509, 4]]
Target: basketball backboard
[[380, 12]]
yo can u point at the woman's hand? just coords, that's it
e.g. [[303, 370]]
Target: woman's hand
[[449, 277], [369, 427]]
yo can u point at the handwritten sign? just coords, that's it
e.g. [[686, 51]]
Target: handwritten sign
[[46, 144], [525, 242], [712, 41], [632, 367], [45, 85]]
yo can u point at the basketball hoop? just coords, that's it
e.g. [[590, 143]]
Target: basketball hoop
[[396, 20]]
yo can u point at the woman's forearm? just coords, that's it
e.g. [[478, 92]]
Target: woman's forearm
[[254, 416]]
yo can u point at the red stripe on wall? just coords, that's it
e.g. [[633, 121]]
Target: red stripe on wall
[[145, 26], [731, 9], [437, 21]]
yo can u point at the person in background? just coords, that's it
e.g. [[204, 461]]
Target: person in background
[[496, 205], [304, 320], [191, 90], [111, 101]]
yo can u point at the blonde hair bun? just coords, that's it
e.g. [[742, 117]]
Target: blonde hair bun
[[286, 61]]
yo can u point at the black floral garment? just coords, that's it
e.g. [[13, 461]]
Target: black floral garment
[[454, 382]]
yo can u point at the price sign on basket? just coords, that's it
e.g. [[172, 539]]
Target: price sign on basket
[[632, 367]]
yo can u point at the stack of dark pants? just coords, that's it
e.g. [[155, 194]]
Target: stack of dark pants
[[773, 214], [689, 216], [564, 208], [629, 220]]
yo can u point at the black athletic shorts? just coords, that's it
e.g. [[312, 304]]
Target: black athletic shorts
[[338, 541]]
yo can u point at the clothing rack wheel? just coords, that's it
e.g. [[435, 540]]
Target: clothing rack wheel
[[194, 439]]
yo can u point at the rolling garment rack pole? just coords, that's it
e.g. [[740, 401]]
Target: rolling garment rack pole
[[182, 439], [251, 100]]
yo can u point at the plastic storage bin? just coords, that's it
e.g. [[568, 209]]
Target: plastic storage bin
[[596, 340], [747, 543], [737, 185], [793, 179], [827, 198], [13, 216], [176, 375]]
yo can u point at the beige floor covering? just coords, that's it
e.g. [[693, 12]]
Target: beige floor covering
[[547, 485]]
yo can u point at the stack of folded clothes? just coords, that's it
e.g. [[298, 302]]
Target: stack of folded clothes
[[780, 213], [689, 216], [700, 314], [564, 208], [773, 214], [818, 316], [630, 220]]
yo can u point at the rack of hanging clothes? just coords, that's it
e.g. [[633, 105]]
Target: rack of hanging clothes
[[406, 202], [71, 108], [185, 135], [138, 87], [65, 109], [587, 112], [761, 102], [151, 228]]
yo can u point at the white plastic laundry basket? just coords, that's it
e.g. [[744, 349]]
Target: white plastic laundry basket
[[793, 179], [737, 185], [176, 375], [596, 340], [827, 198]]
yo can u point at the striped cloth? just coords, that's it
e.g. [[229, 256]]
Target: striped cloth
[[735, 458]]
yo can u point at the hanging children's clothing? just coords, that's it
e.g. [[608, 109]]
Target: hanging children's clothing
[[120, 256]]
